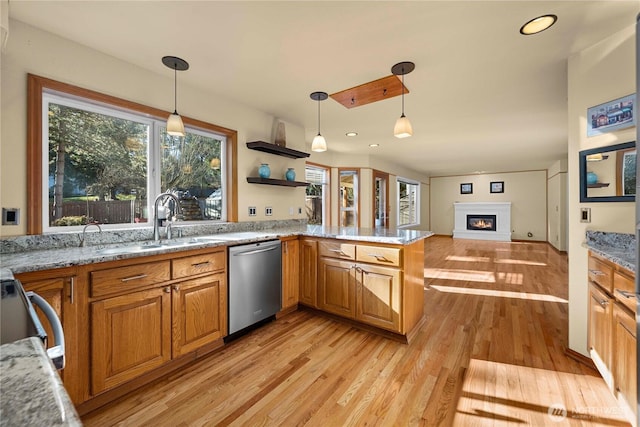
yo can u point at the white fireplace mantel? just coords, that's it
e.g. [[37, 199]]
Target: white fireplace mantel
[[502, 211]]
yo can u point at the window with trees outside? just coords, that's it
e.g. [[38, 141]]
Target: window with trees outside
[[408, 202], [317, 194], [103, 163], [349, 198]]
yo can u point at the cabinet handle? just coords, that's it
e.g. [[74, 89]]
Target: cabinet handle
[[72, 289], [596, 272], [626, 294], [200, 264], [167, 290], [603, 303], [176, 288], [338, 251], [379, 257], [127, 279]]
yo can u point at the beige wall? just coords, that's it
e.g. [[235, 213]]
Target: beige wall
[[557, 205], [601, 73], [527, 192], [31, 50]]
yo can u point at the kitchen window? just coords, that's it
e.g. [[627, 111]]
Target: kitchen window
[[317, 194], [408, 203], [349, 198], [105, 162]]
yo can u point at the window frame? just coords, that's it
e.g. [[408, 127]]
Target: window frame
[[326, 191], [400, 180], [37, 86], [356, 194]]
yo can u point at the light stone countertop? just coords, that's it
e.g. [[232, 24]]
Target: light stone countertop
[[619, 248], [32, 392], [21, 261]]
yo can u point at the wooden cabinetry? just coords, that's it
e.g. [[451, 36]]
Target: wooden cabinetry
[[309, 272], [336, 287], [290, 272], [612, 337], [59, 288], [378, 296]]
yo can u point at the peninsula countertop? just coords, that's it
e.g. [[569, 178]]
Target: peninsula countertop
[[62, 250]]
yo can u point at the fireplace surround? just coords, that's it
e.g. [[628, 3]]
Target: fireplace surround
[[482, 221]]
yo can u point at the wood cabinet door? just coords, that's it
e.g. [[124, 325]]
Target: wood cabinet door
[[624, 364], [600, 325], [309, 272], [290, 272], [337, 287], [379, 296], [199, 312], [130, 335]]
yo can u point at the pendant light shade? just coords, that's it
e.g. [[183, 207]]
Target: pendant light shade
[[403, 128], [319, 144], [175, 126]]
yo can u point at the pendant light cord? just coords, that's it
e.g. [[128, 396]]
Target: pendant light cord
[[402, 92], [175, 89], [318, 116]]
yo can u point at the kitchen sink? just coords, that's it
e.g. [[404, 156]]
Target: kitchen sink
[[145, 247]]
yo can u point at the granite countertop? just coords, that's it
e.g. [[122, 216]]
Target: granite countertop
[[32, 392], [619, 248], [20, 257]]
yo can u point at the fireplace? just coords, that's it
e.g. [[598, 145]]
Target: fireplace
[[481, 222]]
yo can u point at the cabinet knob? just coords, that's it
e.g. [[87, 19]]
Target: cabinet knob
[[167, 289], [604, 303], [176, 288]]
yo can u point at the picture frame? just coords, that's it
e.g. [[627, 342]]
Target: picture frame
[[496, 187], [611, 116], [466, 188]]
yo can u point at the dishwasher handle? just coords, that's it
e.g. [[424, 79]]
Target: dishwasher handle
[[56, 353], [255, 251]]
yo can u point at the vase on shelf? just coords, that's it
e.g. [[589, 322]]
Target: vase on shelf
[[264, 171], [592, 178], [290, 174]]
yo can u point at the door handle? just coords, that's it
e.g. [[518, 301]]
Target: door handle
[[256, 251]]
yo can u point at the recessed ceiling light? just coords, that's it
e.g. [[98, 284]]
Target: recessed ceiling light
[[351, 133], [374, 145], [537, 25]]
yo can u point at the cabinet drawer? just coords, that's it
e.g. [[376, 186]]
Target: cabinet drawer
[[601, 273], [121, 280], [378, 255], [198, 264], [335, 249]]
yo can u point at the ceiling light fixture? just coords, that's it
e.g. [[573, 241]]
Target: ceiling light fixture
[[403, 128], [350, 134], [537, 25], [175, 126], [374, 145], [319, 144]]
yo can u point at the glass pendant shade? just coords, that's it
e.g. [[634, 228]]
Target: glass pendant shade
[[319, 144], [175, 127], [403, 128]]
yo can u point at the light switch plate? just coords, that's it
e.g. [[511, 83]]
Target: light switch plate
[[585, 214], [268, 211], [252, 211]]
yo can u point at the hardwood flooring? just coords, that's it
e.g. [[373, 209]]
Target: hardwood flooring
[[491, 353]]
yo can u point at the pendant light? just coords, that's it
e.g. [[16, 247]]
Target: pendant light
[[175, 126], [319, 144], [403, 128]]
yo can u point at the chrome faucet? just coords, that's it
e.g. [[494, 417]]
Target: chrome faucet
[[84, 230], [156, 220]]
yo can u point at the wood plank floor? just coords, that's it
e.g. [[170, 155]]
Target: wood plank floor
[[491, 353]]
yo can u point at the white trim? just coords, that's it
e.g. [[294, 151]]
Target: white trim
[[502, 210]]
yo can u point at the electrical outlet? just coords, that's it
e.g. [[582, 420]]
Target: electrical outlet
[[585, 214], [252, 211], [299, 211], [268, 211]]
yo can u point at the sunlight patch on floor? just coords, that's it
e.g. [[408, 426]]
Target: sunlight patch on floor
[[465, 275], [518, 262], [511, 278], [468, 258], [501, 294]]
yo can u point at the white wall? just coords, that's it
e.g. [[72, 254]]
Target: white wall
[[30, 50], [601, 73], [557, 205], [527, 192]]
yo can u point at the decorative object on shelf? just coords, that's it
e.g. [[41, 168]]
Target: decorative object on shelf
[[466, 188], [496, 187], [281, 137], [403, 128], [610, 116], [290, 174], [175, 126], [319, 144], [592, 178], [264, 171]]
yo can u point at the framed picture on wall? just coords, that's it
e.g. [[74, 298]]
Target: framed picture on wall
[[466, 188], [613, 115], [496, 187]]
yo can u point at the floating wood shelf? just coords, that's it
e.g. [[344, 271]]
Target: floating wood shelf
[[271, 181], [276, 149], [598, 185]]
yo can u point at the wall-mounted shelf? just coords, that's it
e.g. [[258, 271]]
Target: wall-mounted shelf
[[271, 181], [598, 185], [276, 149]]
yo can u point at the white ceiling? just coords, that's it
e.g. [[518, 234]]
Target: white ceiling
[[482, 96]]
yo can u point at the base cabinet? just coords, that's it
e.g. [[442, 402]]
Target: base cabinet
[[290, 272], [309, 272], [336, 287], [625, 362], [379, 296], [600, 321]]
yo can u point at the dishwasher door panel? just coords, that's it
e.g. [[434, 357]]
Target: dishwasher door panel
[[255, 275]]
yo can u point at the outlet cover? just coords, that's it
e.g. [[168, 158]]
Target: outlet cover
[[585, 214], [268, 211], [299, 211], [252, 211]]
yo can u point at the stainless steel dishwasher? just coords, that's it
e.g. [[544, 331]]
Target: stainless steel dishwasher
[[255, 275]]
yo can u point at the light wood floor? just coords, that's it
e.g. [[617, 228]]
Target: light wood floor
[[490, 353]]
